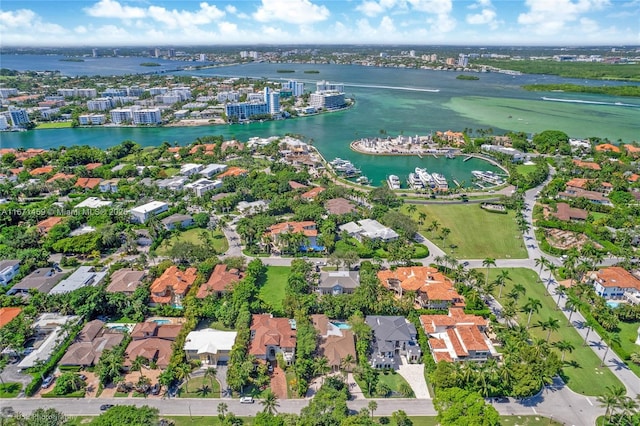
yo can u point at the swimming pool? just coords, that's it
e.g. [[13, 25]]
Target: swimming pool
[[613, 304], [342, 325], [162, 321]]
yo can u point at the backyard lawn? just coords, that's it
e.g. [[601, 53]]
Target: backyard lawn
[[582, 368], [628, 334], [525, 169], [272, 292], [393, 381], [54, 125], [194, 236], [200, 387], [474, 233]]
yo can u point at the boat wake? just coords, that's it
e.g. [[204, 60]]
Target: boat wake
[[578, 101], [408, 89]]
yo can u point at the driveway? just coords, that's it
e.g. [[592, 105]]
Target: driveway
[[414, 375]]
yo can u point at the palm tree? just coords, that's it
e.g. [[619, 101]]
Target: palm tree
[[411, 208], [321, 366], [589, 324], [137, 364], [551, 324], [434, 226], [372, 406], [222, 410], [560, 291], [532, 305], [488, 262], [501, 279], [444, 233], [614, 339], [346, 363], [421, 217], [541, 262], [572, 304], [210, 373], [270, 402], [612, 398], [563, 346]]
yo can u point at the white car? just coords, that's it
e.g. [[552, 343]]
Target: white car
[[246, 400]]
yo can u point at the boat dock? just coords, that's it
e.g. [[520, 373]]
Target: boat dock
[[481, 186], [420, 156], [456, 182], [434, 156], [468, 158]]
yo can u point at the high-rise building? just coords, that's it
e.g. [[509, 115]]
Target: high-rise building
[[172, 53], [463, 60], [323, 86], [94, 53], [18, 116], [296, 87]]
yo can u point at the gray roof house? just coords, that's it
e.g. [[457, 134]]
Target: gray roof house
[[393, 337], [338, 282], [369, 228], [82, 277], [8, 270], [42, 279], [172, 222]]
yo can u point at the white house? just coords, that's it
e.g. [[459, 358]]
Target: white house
[[190, 169], [213, 169], [369, 228], [203, 185], [209, 346], [142, 213], [84, 276], [8, 270]]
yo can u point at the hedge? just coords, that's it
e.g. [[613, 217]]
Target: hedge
[[76, 394]]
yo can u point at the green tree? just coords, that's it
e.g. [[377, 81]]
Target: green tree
[[457, 406], [128, 415], [270, 402], [487, 263], [532, 305]]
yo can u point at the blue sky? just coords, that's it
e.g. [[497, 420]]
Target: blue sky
[[420, 22]]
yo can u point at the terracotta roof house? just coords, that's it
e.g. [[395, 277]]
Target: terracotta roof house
[[334, 343], [88, 183], [8, 314], [455, 138], [632, 150], [311, 194], [41, 170], [607, 147], [92, 166], [60, 176], [580, 183], [586, 164], [206, 149], [458, 337], [172, 286], [393, 337], [338, 282], [593, 196], [92, 340], [633, 178], [231, 144], [219, 282], [270, 336], [306, 228], [339, 206], [42, 280], [125, 281], [232, 171], [153, 342], [616, 283], [433, 289], [566, 212], [44, 226]]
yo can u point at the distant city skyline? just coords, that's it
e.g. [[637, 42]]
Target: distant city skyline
[[417, 22]]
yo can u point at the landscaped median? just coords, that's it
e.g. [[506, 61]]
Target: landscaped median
[[582, 371]]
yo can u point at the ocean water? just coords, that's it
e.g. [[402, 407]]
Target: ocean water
[[391, 101]]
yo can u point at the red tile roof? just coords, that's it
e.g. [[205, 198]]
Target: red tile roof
[[60, 176], [92, 166], [566, 212], [312, 193], [587, 164], [295, 185], [8, 314], [220, 280], [616, 276], [269, 331], [41, 170], [424, 279], [308, 228], [607, 147], [89, 183], [172, 281], [45, 226]]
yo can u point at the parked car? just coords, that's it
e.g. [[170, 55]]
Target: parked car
[[105, 407], [155, 389], [82, 376], [246, 400], [47, 382]]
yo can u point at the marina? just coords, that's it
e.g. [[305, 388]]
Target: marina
[[393, 181], [488, 177]]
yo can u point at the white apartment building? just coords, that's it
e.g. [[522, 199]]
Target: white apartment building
[[296, 87], [228, 97], [5, 92], [142, 213], [190, 169], [18, 116], [100, 104], [323, 86], [85, 93], [328, 100], [92, 119], [244, 110], [121, 115], [4, 123], [147, 116]]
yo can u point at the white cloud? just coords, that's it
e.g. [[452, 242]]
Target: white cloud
[[15, 24], [551, 16], [437, 7], [370, 8], [231, 9], [486, 15], [438, 11], [291, 11], [113, 9]]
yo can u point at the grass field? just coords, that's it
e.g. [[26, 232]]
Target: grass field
[[10, 389], [628, 334], [272, 292], [525, 169], [393, 381], [199, 387], [220, 244], [475, 233], [54, 125], [586, 377]]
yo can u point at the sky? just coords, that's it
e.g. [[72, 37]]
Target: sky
[[245, 22]]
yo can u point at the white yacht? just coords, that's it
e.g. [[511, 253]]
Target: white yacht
[[415, 182], [440, 180], [425, 177], [393, 181], [488, 176]]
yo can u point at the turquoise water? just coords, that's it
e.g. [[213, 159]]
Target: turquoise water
[[393, 101], [613, 304], [162, 321], [120, 328], [342, 325]]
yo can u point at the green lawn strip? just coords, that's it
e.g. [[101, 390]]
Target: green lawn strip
[[200, 387], [121, 395], [219, 242], [417, 420], [393, 381], [587, 378], [628, 334], [54, 125], [171, 171], [10, 389], [475, 233], [272, 292]]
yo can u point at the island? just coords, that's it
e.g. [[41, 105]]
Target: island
[[467, 77], [285, 71], [632, 91], [312, 72], [149, 64], [71, 60]]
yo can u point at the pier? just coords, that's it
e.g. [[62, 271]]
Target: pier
[[456, 182], [468, 158], [434, 156]]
